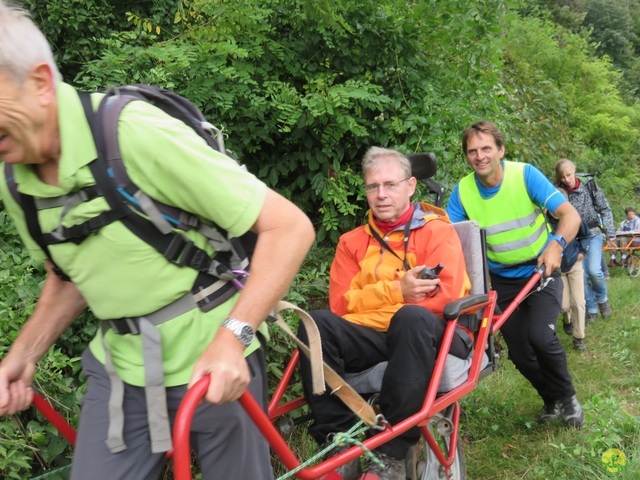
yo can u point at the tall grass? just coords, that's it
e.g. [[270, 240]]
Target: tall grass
[[502, 439]]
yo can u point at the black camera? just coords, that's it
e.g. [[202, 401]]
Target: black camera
[[431, 273]]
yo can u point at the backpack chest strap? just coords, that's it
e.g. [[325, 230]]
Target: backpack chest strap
[[130, 325]]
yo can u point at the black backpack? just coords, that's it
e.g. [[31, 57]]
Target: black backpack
[[149, 219], [590, 184]]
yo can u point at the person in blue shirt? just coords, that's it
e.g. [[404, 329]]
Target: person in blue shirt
[[507, 199]]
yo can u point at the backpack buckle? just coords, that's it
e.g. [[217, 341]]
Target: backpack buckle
[[180, 250], [124, 326]]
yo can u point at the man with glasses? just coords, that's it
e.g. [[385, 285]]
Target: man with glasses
[[381, 310]]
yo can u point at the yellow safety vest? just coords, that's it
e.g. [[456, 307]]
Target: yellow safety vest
[[515, 226]]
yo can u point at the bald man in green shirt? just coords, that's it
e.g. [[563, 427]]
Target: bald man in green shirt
[[46, 138]]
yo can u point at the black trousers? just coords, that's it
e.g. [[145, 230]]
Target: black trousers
[[410, 346], [530, 334]]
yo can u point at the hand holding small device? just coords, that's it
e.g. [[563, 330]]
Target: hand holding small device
[[431, 274]]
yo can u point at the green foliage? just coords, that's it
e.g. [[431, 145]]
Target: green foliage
[[613, 28], [565, 103], [302, 89], [313, 85], [310, 288], [75, 27]]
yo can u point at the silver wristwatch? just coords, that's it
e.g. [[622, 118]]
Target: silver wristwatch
[[243, 331]]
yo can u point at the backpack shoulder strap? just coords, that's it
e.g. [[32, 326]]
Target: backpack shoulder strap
[[10, 179], [118, 189], [28, 205], [593, 188]]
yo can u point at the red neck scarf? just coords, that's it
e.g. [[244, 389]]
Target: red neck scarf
[[569, 190], [386, 227]]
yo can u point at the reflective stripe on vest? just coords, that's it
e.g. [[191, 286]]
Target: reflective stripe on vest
[[516, 228]]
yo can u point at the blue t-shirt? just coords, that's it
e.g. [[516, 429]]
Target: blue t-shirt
[[542, 193]]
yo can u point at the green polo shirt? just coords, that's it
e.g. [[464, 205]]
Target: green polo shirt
[[119, 274]]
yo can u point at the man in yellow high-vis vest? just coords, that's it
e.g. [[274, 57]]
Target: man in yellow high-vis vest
[[507, 199]]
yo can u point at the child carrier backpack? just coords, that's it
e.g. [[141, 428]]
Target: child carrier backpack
[[150, 220]]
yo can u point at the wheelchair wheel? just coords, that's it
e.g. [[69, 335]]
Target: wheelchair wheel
[[630, 266], [427, 466], [633, 266]]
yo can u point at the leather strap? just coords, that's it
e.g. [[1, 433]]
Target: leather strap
[[320, 371]]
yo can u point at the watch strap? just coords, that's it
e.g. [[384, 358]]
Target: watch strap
[[560, 239], [243, 331]]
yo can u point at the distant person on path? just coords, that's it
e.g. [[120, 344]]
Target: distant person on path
[[573, 304], [628, 226], [573, 300], [591, 205], [508, 199]]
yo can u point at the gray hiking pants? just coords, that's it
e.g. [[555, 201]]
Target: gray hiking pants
[[227, 443]]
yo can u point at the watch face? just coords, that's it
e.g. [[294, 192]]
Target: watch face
[[243, 331], [246, 335]]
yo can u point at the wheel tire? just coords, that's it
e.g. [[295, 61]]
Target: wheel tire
[[633, 267], [429, 468]]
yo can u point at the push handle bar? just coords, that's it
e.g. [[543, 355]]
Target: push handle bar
[[184, 417], [182, 428], [57, 420]]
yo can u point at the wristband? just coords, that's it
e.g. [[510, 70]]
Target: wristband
[[560, 239]]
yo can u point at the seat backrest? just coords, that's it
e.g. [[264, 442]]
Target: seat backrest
[[472, 241]]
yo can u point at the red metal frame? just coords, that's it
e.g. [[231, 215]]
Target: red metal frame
[[500, 319], [264, 421], [57, 420], [446, 460]]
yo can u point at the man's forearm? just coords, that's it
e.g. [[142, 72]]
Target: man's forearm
[[285, 235], [58, 306], [569, 221]]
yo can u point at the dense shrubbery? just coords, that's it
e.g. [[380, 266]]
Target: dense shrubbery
[[302, 89]]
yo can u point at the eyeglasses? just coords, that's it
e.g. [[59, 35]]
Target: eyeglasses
[[390, 186]]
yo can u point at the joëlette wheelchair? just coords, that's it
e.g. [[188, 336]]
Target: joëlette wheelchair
[[439, 454], [632, 249]]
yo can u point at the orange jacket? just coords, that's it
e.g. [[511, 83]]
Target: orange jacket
[[364, 287]]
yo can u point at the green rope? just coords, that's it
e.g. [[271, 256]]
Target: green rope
[[340, 438], [51, 473]]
